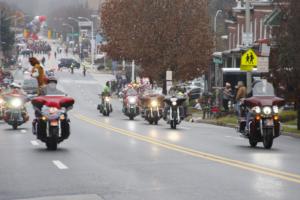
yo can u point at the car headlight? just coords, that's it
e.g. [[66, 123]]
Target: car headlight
[[107, 99], [132, 100], [267, 110], [257, 109], [174, 103], [154, 103], [16, 103], [275, 109]]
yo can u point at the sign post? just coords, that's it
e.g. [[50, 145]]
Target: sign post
[[248, 62], [263, 64], [169, 80]]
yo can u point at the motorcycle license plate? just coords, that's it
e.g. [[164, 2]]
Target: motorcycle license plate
[[269, 122], [54, 123]]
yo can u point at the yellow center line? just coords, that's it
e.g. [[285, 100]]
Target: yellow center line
[[231, 162]]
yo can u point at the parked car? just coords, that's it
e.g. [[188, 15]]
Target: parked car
[[30, 86], [26, 52], [67, 62], [194, 93]]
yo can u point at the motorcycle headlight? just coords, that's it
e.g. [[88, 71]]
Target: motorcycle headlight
[[107, 99], [53, 110], [154, 103], [132, 100], [275, 109], [174, 103], [16, 103], [267, 110], [257, 109]]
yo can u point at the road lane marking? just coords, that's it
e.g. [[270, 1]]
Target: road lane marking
[[195, 153], [34, 143], [59, 165], [23, 131]]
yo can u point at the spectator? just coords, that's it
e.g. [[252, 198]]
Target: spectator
[[227, 96]]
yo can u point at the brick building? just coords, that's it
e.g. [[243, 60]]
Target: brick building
[[264, 20]]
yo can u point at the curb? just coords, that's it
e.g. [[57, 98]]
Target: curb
[[294, 135]]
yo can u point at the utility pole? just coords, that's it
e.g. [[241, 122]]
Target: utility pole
[[133, 71], [248, 33]]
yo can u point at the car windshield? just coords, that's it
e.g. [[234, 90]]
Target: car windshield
[[263, 88]]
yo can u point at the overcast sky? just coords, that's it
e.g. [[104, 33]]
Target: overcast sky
[[41, 7]]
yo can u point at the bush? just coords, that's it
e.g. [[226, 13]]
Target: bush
[[287, 116]]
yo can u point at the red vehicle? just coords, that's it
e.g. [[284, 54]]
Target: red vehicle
[[262, 110], [131, 104], [52, 125]]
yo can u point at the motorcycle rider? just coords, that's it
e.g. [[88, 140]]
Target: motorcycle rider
[[16, 91], [105, 92], [248, 113], [241, 94], [51, 87]]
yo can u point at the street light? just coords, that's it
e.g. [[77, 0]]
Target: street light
[[65, 24], [79, 30], [215, 28], [92, 38]]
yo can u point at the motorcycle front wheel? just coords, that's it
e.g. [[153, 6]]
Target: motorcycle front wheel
[[173, 124], [15, 126], [268, 138], [52, 141]]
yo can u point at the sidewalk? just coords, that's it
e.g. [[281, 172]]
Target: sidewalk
[[231, 122]]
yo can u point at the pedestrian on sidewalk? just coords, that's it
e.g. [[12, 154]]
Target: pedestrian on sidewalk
[[241, 94], [227, 96]]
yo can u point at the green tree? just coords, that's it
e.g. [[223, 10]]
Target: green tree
[[6, 35]]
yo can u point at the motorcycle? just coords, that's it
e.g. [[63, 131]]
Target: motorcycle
[[52, 125], [152, 111], [15, 113], [174, 111], [130, 107], [105, 107], [2, 108], [262, 122]]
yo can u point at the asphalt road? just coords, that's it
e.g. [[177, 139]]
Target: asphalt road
[[113, 158]]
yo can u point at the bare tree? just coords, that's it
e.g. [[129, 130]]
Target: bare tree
[[286, 62], [159, 35]]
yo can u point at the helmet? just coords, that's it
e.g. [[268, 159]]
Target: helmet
[[52, 80], [15, 85]]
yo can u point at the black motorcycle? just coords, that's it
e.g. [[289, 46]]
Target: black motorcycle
[[52, 125], [105, 107], [153, 110], [15, 113], [174, 111]]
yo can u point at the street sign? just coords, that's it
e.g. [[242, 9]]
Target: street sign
[[169, 76], [265, 50], [263, 64], [218, 61], [85, 23], [248, 60]]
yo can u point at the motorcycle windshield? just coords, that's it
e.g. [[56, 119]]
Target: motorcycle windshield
[[263, 88], [131, 92]]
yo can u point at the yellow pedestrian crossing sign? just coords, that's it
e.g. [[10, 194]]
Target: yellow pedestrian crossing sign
[[248, 61]]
